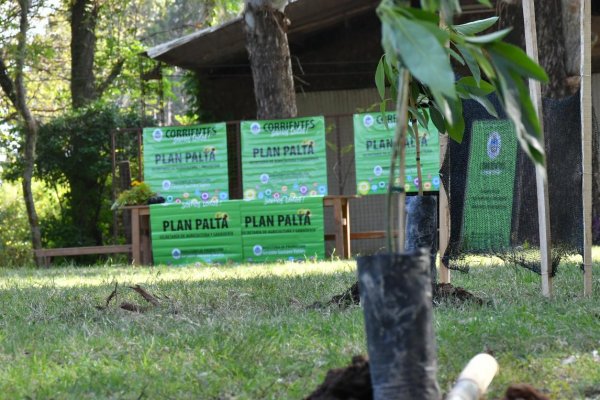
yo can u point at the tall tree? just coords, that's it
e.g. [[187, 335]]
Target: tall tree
[[84, 20], [84, 16], [553, 54], [15, 91], [85, 208], [269, 53]]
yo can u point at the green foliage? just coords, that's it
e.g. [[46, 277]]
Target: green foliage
[[413, 40], [15, 239], [139, 194], [74, 150], [77, 145], [191, 87], [15, 242]]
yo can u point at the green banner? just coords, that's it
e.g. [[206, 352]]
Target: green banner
[[490, 185], [208, 232], [187, 164], [284, 158], [290, 229], [373, 143]]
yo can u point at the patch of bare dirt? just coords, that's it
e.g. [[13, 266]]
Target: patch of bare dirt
[[523, 391], [446, 291], [441, 292], [354, 383], [350, 383], [349, 298]]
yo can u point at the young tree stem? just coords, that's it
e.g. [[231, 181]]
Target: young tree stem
[[398, 154]]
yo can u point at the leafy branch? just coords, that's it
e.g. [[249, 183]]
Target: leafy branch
[[413, 40], [419, 45]]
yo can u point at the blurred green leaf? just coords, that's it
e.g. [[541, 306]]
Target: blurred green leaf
[[437, 118], [419, 14], [456, 56], [421, 53], [471, 86], [456, 128], [380, 78], [489, 38], [474, 27], [470, 61], [518, 60]]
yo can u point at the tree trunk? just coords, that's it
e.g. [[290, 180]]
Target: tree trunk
[[17, 94], [34, 224], [84, 15], [551, 43], [269, 53], [86, 198]]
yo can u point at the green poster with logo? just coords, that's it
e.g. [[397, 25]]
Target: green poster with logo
[[208, 232], [187, 164], [373, 143], [284, 158], [490, 181], [287, 229]]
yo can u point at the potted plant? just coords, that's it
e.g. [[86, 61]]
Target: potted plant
[[139, 194]]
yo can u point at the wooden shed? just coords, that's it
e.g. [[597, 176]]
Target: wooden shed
[[335, 47]]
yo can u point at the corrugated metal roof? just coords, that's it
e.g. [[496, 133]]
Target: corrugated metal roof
[[224, 42]]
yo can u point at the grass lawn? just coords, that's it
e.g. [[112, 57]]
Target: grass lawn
[[244, 332]]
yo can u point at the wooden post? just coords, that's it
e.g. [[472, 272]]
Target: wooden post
[[443, 206], [586, 141], [136, 253], [540, 170], [444, 216]]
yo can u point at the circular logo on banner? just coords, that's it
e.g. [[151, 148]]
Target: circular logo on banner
[[166, 185], [176, 253], [377, 170], [157, 135], [494, 144], [255, 128], [257, 250], [264, 178], [249, 194], [363, 187], [368, 120]]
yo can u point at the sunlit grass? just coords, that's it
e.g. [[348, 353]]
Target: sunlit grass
[[99, 275], [245, 331]]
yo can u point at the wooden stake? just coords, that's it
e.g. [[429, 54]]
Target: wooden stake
[[444, 215], [586, 141], [444, 208], [540, 170]]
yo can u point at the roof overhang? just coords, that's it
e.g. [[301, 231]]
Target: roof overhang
[[214, 45]]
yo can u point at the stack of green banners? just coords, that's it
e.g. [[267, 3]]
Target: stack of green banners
[[235, 230], [373, 142], [187, 164], [284, 158], [490, 181]]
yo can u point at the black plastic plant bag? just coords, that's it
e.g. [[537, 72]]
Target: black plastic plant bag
[[395, 291]]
